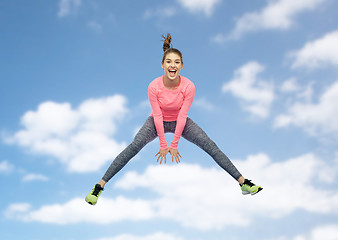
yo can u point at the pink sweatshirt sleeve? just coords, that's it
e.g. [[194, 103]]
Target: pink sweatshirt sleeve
[[183, 114], [157, 114]]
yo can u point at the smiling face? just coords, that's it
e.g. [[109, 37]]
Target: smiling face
[[172, 66]]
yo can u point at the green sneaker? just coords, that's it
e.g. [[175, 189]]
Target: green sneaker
[[92, 197], [250, 188]]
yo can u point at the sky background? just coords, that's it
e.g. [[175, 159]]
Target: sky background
[[74, 77]]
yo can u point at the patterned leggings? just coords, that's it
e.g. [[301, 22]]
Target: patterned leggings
[[191, 132]]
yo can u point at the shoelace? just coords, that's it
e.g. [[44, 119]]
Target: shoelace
[[248, 182], [97, 190]]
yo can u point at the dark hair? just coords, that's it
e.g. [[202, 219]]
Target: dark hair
[[167, 47]]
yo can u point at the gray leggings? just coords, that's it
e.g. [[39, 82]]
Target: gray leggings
[[191, 132]]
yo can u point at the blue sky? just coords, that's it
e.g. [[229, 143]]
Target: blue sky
[[74, 77]]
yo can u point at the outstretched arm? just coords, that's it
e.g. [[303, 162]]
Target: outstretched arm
[[158, 117], [183, 114]]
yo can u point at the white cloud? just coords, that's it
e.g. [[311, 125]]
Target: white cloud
[[327, 232], [290, 85], [6, 167], [79, 138], [278, 14], [94, 25], [67, 7], [77, 210], [256, 94], [190, 191], [194, 196], [34, 177], [155, 236], [195, 6], [205, 6], [306, 94], [219, 38], [16, 210], [318, 53], [319, 119], [163, 12], [204, 103]]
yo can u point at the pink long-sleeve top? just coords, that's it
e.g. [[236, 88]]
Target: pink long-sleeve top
[[170, 105]]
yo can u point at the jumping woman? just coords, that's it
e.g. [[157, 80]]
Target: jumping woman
[[170, 97]]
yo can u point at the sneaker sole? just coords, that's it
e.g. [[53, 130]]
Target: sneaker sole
[[247, 192], [91, 203]]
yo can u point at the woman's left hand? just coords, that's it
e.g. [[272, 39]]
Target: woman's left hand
[[175, 155]]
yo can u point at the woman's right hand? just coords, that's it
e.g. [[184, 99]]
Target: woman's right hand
[[162, 154]]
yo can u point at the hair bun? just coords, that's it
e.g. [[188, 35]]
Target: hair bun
[[166, 42], [168, 47]]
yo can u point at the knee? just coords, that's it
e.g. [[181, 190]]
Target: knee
[[210, 147]]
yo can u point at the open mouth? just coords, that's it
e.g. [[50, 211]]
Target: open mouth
[[172, 73]]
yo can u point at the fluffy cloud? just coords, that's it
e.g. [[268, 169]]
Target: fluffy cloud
[[155, 236], [79, 138], [193, 196], [6, 167], [328, 232], [317, 53], [204, 6], [204, 103], [34, 177], [95, 26], [66, 7], [278, 14], [315, 118], [195, 6], [290, 85], [17, 210], [191, 191], [77, 210], [159, 12], [256, 94]]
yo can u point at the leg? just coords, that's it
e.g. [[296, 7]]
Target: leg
[[146, 134], [193, 133]]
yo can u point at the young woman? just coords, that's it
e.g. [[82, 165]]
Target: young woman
[[170, 97]]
